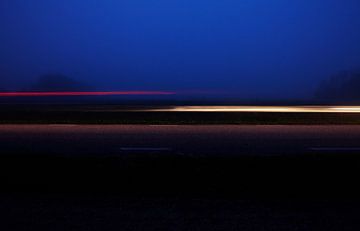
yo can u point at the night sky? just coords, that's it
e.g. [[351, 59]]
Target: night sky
[[251, 49]]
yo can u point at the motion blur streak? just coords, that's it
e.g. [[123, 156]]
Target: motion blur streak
[[95, 93], [314, 109]]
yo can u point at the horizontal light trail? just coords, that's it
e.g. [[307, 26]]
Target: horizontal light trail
[[285, 109], [83, 93]]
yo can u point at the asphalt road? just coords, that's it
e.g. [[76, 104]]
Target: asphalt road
[[199, 140], [184, 194]]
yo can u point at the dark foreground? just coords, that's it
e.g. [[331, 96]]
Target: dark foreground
[[139, 177]]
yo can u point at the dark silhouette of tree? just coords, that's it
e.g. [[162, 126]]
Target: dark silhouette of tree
[[342, 87], [58, 83], [2, 85]]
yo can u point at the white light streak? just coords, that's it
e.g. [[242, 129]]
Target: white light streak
[[285, 109]]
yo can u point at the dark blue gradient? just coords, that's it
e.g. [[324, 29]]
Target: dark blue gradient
[[250, 49]]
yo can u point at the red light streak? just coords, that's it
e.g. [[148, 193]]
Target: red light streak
[[89, 93]]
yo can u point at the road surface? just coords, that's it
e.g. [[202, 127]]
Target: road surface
[[220, 140], [235, 194]]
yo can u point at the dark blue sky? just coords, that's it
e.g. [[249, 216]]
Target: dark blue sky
[[249, 48]]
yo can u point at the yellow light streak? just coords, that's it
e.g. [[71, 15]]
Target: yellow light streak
[[285, 109]]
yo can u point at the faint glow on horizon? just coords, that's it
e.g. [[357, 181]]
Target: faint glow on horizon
[[80, 93], [285, 109]]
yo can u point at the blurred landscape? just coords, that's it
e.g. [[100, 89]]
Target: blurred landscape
[[179, 115], [340, 89]]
